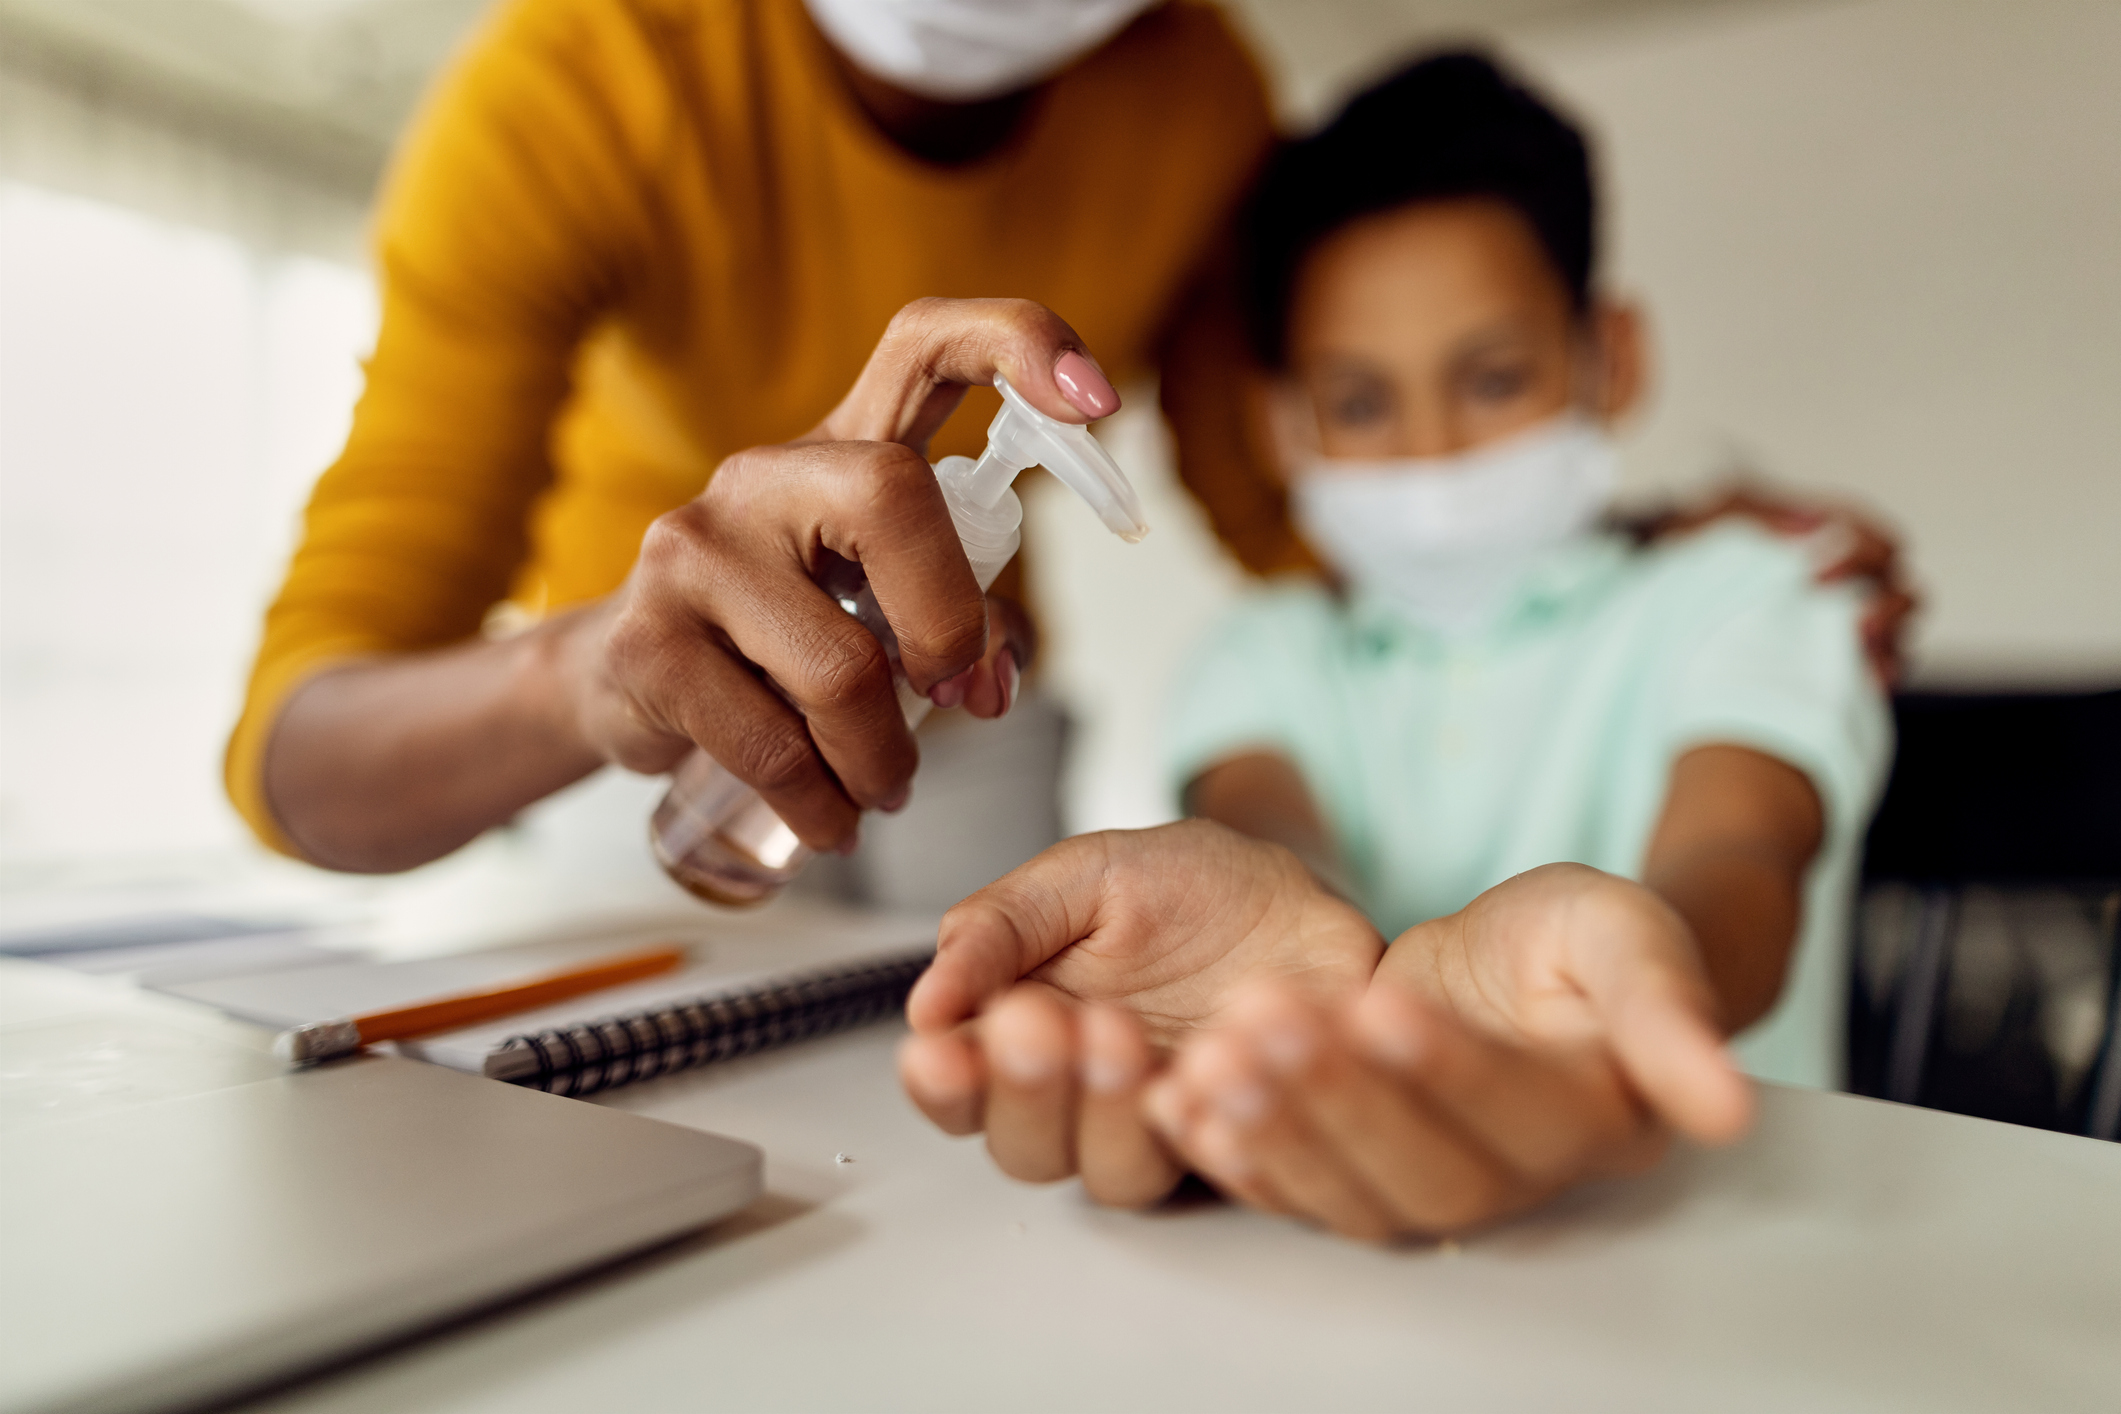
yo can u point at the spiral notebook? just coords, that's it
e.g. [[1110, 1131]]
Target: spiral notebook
[[741, 995], [583, 1057]]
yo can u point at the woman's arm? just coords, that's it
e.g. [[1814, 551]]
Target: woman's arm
[[380, 730], [1729, 854], [389, 761], [385, 763]]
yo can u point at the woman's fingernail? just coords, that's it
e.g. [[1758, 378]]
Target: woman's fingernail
[[897, 802], [951, 691], [1007, 677], [850, 844], [1086, 389], [1829, 547]]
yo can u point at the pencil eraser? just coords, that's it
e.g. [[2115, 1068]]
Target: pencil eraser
[[317, 1041]]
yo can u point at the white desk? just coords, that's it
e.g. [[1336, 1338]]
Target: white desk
[[1849, 1255]]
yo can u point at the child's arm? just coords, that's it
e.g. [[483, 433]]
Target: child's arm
[[1729, 855], [1263, 795]]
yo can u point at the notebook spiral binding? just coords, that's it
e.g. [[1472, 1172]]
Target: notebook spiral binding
[[619, 1050]]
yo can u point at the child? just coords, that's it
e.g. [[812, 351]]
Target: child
[[1489, 681], [1485, 695]]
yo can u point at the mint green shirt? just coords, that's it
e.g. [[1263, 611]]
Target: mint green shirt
[[1446, 765]]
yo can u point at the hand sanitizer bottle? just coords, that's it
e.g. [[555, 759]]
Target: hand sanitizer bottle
[[713, 833]]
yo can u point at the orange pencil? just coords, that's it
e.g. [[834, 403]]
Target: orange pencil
[[323, 1040]]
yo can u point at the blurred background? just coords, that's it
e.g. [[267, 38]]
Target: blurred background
[[1877, 238]]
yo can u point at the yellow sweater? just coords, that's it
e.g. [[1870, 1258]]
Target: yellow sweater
[[627, 238]]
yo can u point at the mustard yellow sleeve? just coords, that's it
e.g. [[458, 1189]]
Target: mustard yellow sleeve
[[516, 212], [1223, 458]]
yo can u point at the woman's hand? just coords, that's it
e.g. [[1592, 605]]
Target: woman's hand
[[1551, 1032], [726, 588], [382, 763], [1056, 989]]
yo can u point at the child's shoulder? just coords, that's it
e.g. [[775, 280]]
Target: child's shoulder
[[1731, 582], [1728, 565]]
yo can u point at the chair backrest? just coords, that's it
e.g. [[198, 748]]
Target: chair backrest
[[1988, 975], [2017, 787]]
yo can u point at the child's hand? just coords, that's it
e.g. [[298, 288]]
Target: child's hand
[[1084, 965], [1547, 1034]]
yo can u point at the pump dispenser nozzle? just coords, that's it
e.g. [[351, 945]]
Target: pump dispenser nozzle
[[1021, 436], [714, 834]]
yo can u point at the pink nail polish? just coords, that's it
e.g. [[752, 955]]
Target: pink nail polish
[[950, 691], [1007, 677], [1086, 389]]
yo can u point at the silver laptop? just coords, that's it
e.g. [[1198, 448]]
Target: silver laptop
[[182, 1219]]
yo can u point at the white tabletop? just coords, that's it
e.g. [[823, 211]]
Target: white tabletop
[[1848, 1255]]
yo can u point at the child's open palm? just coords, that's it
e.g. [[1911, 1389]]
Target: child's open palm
[[1190, 997]]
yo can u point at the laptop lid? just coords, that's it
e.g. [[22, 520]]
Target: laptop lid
[[182, 1219]]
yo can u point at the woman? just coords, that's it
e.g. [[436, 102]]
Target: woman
[[623, 244], [629, 248]]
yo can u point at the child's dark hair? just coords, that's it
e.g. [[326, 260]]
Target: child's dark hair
[[1450, 125]]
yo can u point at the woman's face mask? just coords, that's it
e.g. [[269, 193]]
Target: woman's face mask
[[1445, 539], [963, 51]]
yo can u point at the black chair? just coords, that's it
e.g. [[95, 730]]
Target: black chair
[[1987, 967]]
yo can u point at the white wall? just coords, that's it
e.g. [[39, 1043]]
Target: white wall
[[1881, 246], [167, 395], [59, 134]]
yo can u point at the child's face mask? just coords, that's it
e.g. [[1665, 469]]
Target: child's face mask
[[962, 51], [1445, 539]]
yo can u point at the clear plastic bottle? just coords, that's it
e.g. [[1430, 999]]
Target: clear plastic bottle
[[713, 833]]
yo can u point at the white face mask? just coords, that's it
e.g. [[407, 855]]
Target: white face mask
[[1445, 539], [961, 51]]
